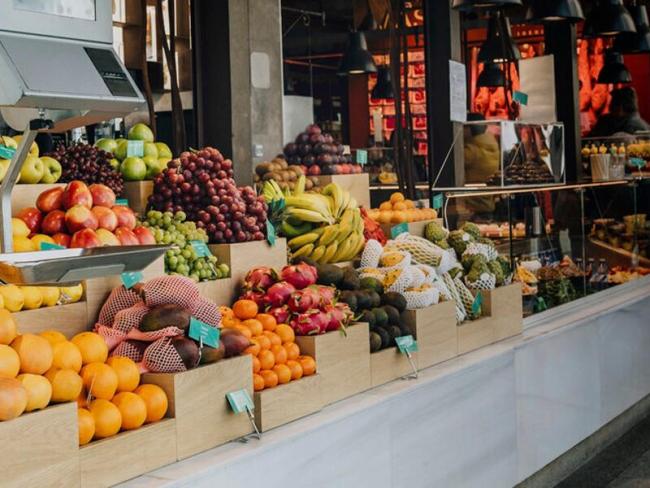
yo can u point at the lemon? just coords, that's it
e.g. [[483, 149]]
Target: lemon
[[33, 297], [13, 297], [37, 239], [23, 244], [71, 294], [19, 228], [50, 295]]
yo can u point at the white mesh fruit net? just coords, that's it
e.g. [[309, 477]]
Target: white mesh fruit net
[[467, 299], [402, 282], [417, 276], [487, 281], [421, 299], [371, 254]]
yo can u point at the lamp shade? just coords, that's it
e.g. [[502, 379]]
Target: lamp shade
[[499, 46], [608, 18], [469, 5], [555, 10], [384, 87], [491, 76], [638, 42], [614, 71], [356, 58]]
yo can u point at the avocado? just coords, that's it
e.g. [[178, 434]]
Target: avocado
[[370, 283], [405, 330], [375, 299], [368, 317], [394, 299], [375, 342], [385, 337], [381, 317], [392, 313], [350, 280], [350, 298], [329, 275], [167, 315], [212, 355], [364, 300], [394, 332]]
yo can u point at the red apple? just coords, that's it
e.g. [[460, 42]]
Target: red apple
[[54, 222], [125, 216], [62, 239], [126, 237], [107, 238], [77, 193], [32, 217], [80, 217], [106, 218], [346, 169], [144, 235], [51, 199], [357, 169], [85, 238], [102, 195], [313, 170]]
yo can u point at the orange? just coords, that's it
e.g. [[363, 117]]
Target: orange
[[284, 373], [270, 378], [399, 217], [35, 353], [53, 336], [254, 325], [66, 356], [280, 354], [293, 351], [286, 333], [385, 216], [107, 416], [253, 349], [245, 309], [296, 369], [230, 322], [155, 399], [256, 365], [268, 321], [244, 330], [66, 384], [86, 423], [9, 362], [82, 397], [39, 391], [396, 197], [273, 337], [13, 398], [100, 380], [264, 342], [308, 365], [258, 382], [128, 374], [409, 204], [267, 359], [386, 206], [7, 327], [93, 348], [132, 408], [226, 311], [399, 206]]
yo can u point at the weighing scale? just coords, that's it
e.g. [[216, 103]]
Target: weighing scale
[[58, 71]]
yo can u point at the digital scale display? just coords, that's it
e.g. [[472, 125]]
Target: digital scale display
[[76, 9]]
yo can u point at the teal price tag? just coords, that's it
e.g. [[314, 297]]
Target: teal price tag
[[638, 162], [520, 97], [406, 344], [47, 246], [240, 401], [130, 279], [134, 148], [437, 201], [270, 233], [122, 201], [203, 333], [476, 305], [200, 248], [362, 156], [7, 152], [399, 229]]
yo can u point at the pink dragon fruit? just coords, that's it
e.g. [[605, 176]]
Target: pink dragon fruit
[[313, 322], [278, 294], [260, 279], [281, 314], [327, 294], [300, 275], [256, 296], [302, 300], [339, 315]]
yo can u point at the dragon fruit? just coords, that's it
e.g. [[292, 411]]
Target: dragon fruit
[[327, 294], [300, 275], [256, 296], [260, 279], [302, 300], [278, 294], [313, 322], [339, 315], [280, 314]]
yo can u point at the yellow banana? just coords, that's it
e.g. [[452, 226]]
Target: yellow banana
[[330, 234], [305, 250], [352, 203], [345, 203], [309, 201], [329, 253], [318, 253], [300, 185], [343, 250], [309, 215], [304, 239], [336, 193]]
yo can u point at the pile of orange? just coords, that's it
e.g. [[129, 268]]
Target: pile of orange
[[398, 210], [276, 356]]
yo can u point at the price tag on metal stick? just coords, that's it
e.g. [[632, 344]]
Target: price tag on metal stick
[[200, 248], [240, 402], [122, 202], [407, 345], [130, 279], [204, 333]]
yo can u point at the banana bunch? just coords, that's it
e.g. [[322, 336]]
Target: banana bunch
[[272, 192]]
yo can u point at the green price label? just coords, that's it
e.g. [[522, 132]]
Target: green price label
[[134, 148], [520, 97], [122, 201], [476, 305], [130, 279], [202, 332], [200, 248], [437, 201], [638, 162], [406, 344], [362, 156], [46, 246], [7, 152], [270, 233], [399, 229], [240, 401]]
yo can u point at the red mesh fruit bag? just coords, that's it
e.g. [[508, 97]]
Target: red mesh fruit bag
[[131, 349], [176, 290], [138, 335], [119, 299], [207, 312], [111, 336], [162, 357], [130, 318]]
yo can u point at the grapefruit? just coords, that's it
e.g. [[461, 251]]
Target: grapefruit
[[100, 380], [35, 353], [86, 423], [132, 408], [9, 362], [107, 416], [66, 384], [13, 398], [39, 391], [92, 347]]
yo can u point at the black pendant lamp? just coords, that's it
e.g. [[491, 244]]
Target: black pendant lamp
[[614, 71], [638, 42], [608, 18], [499, 46], [384, 87], [356, 58], [470, 5], [555, 11], [492, 76]]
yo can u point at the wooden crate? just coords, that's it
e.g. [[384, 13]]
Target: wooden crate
[[243, 256], [41, 448], [474, 334], [25, 195], [113, 460], [197, 400], [286, 403], [358, 185], [388, 365], [414, 228], [342, 361], [435, 330], [137, 193], [221, 292], [68, 319]]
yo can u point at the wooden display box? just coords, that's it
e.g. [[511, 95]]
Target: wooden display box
[[414, 228], [25, 195], [221, 292], [41, 448], [286, 403], [358, 185], [244, 256], [434, 328], [128, 454], [342, 361], [68, 319], [388, 365], [197, 400], [137, 193]]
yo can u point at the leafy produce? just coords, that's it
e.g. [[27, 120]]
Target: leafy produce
[[398, 209]]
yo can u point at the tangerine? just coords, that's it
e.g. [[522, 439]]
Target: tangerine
[[267, 359], [107, 417], [399, 217], [66, 384], [280, 354], [92, 347], [100, 380], [385, 217], [268, 321], [39, 391], [308, 365], [270, 378], [254, 325], [399, 206], [258, 382], [35, 353], [244, 330], [132, 408], [293, 351], [128, 374], [245, 309], [86, 423], [284, 373], [296, 369], [273, 337], [52, 336], [285, 333], [66, 356], [13, 398], [155, 399], [9, 362], [409, 204], [257, 365], [8, 330], [264, 342], [254, 349], [396, 197], [386, 206]]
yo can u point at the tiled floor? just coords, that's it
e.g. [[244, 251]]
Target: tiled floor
[[624, 464]]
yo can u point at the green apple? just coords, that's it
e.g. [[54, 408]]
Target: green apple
[[120, 140], [32, 170], [120, 152], [33, 149], [150, 149], [133, 169], [140, 132], [51, 170], [108, 145], [115, 163], [153, 168], [163, 150]]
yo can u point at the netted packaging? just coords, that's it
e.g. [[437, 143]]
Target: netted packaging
[[131, 349], [162, 357], [207, 312], [429, 272], [487, 281], [371, 254], [417, 276], [422, 251], [488, 252], [461, 313], [421, 298], [111, 337], [119, 299], [130, 318], [467, 298], [402, 280], [176, 290]]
